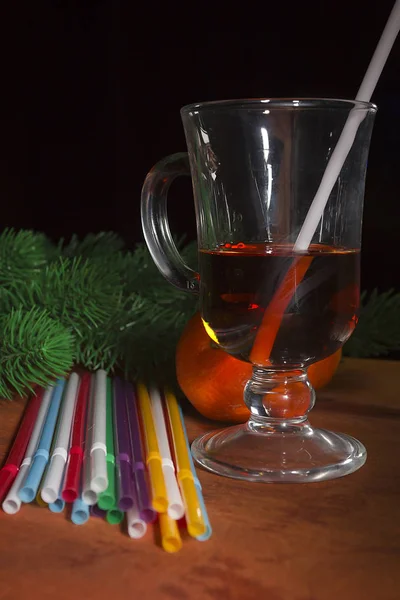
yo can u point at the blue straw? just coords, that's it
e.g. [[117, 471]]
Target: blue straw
[[57, 506], [28, 492], [208, 533], [80, 512]]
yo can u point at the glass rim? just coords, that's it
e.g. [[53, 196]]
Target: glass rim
[[280, 103]]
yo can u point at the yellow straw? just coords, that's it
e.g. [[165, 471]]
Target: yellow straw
[[153, 456], [40, 501], [194, 516], [170, 537]]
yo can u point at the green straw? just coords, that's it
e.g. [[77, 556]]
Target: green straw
[[107, 500], [114, 516]]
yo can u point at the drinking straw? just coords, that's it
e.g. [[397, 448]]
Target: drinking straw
[[57, 506], [194, 515], [153, 457], [39, 500], [107, 499], [80, 508], [136, 526], [99, 479], [146, 511], [349, 132], [272, 318], [266, 335], [10, 469], [89, 497], [170, 537], [96, 511], [30, 487], [114, 516], [381, 54], [80, 512], [72, 479], [206, 536], [175, 505], [52, 483], [122, 447], [12, 502]]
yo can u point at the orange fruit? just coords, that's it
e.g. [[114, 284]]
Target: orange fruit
[[321, 372], [213, 381]]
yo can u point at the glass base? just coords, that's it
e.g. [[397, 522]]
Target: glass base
[[285, 452]]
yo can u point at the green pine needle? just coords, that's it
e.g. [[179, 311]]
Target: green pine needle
[[122, 313], [22, 255], [148, 342], [139, 275], [97, 245], [35, 349], [378, 329], [100, 347], [80, 294]]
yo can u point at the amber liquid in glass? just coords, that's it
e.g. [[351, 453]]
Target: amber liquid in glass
[[238, 283]]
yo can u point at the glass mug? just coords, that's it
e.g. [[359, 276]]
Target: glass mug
[[256, 166]]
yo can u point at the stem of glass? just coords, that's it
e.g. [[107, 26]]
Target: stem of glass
[[279, 396]]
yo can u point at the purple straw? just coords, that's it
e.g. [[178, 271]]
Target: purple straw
[[122, 447], [146, 511], [95, 511]]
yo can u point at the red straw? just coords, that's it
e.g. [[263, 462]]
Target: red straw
[[273, 315], [73, 474], [10, 468]]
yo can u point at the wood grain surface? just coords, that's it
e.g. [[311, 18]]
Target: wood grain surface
[[320, 541]]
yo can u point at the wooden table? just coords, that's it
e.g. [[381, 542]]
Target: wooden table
[[319, 541]]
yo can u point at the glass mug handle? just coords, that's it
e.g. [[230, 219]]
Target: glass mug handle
[[155, 222]]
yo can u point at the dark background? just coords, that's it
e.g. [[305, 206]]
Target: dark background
[[91, 93]]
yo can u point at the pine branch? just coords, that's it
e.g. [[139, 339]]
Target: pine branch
[[99, 245], [80, 294], [378, 329], [119, 309], [34, 349], [157, 315], [100, 348], [148, 342], [139, 274], [23, 254]]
